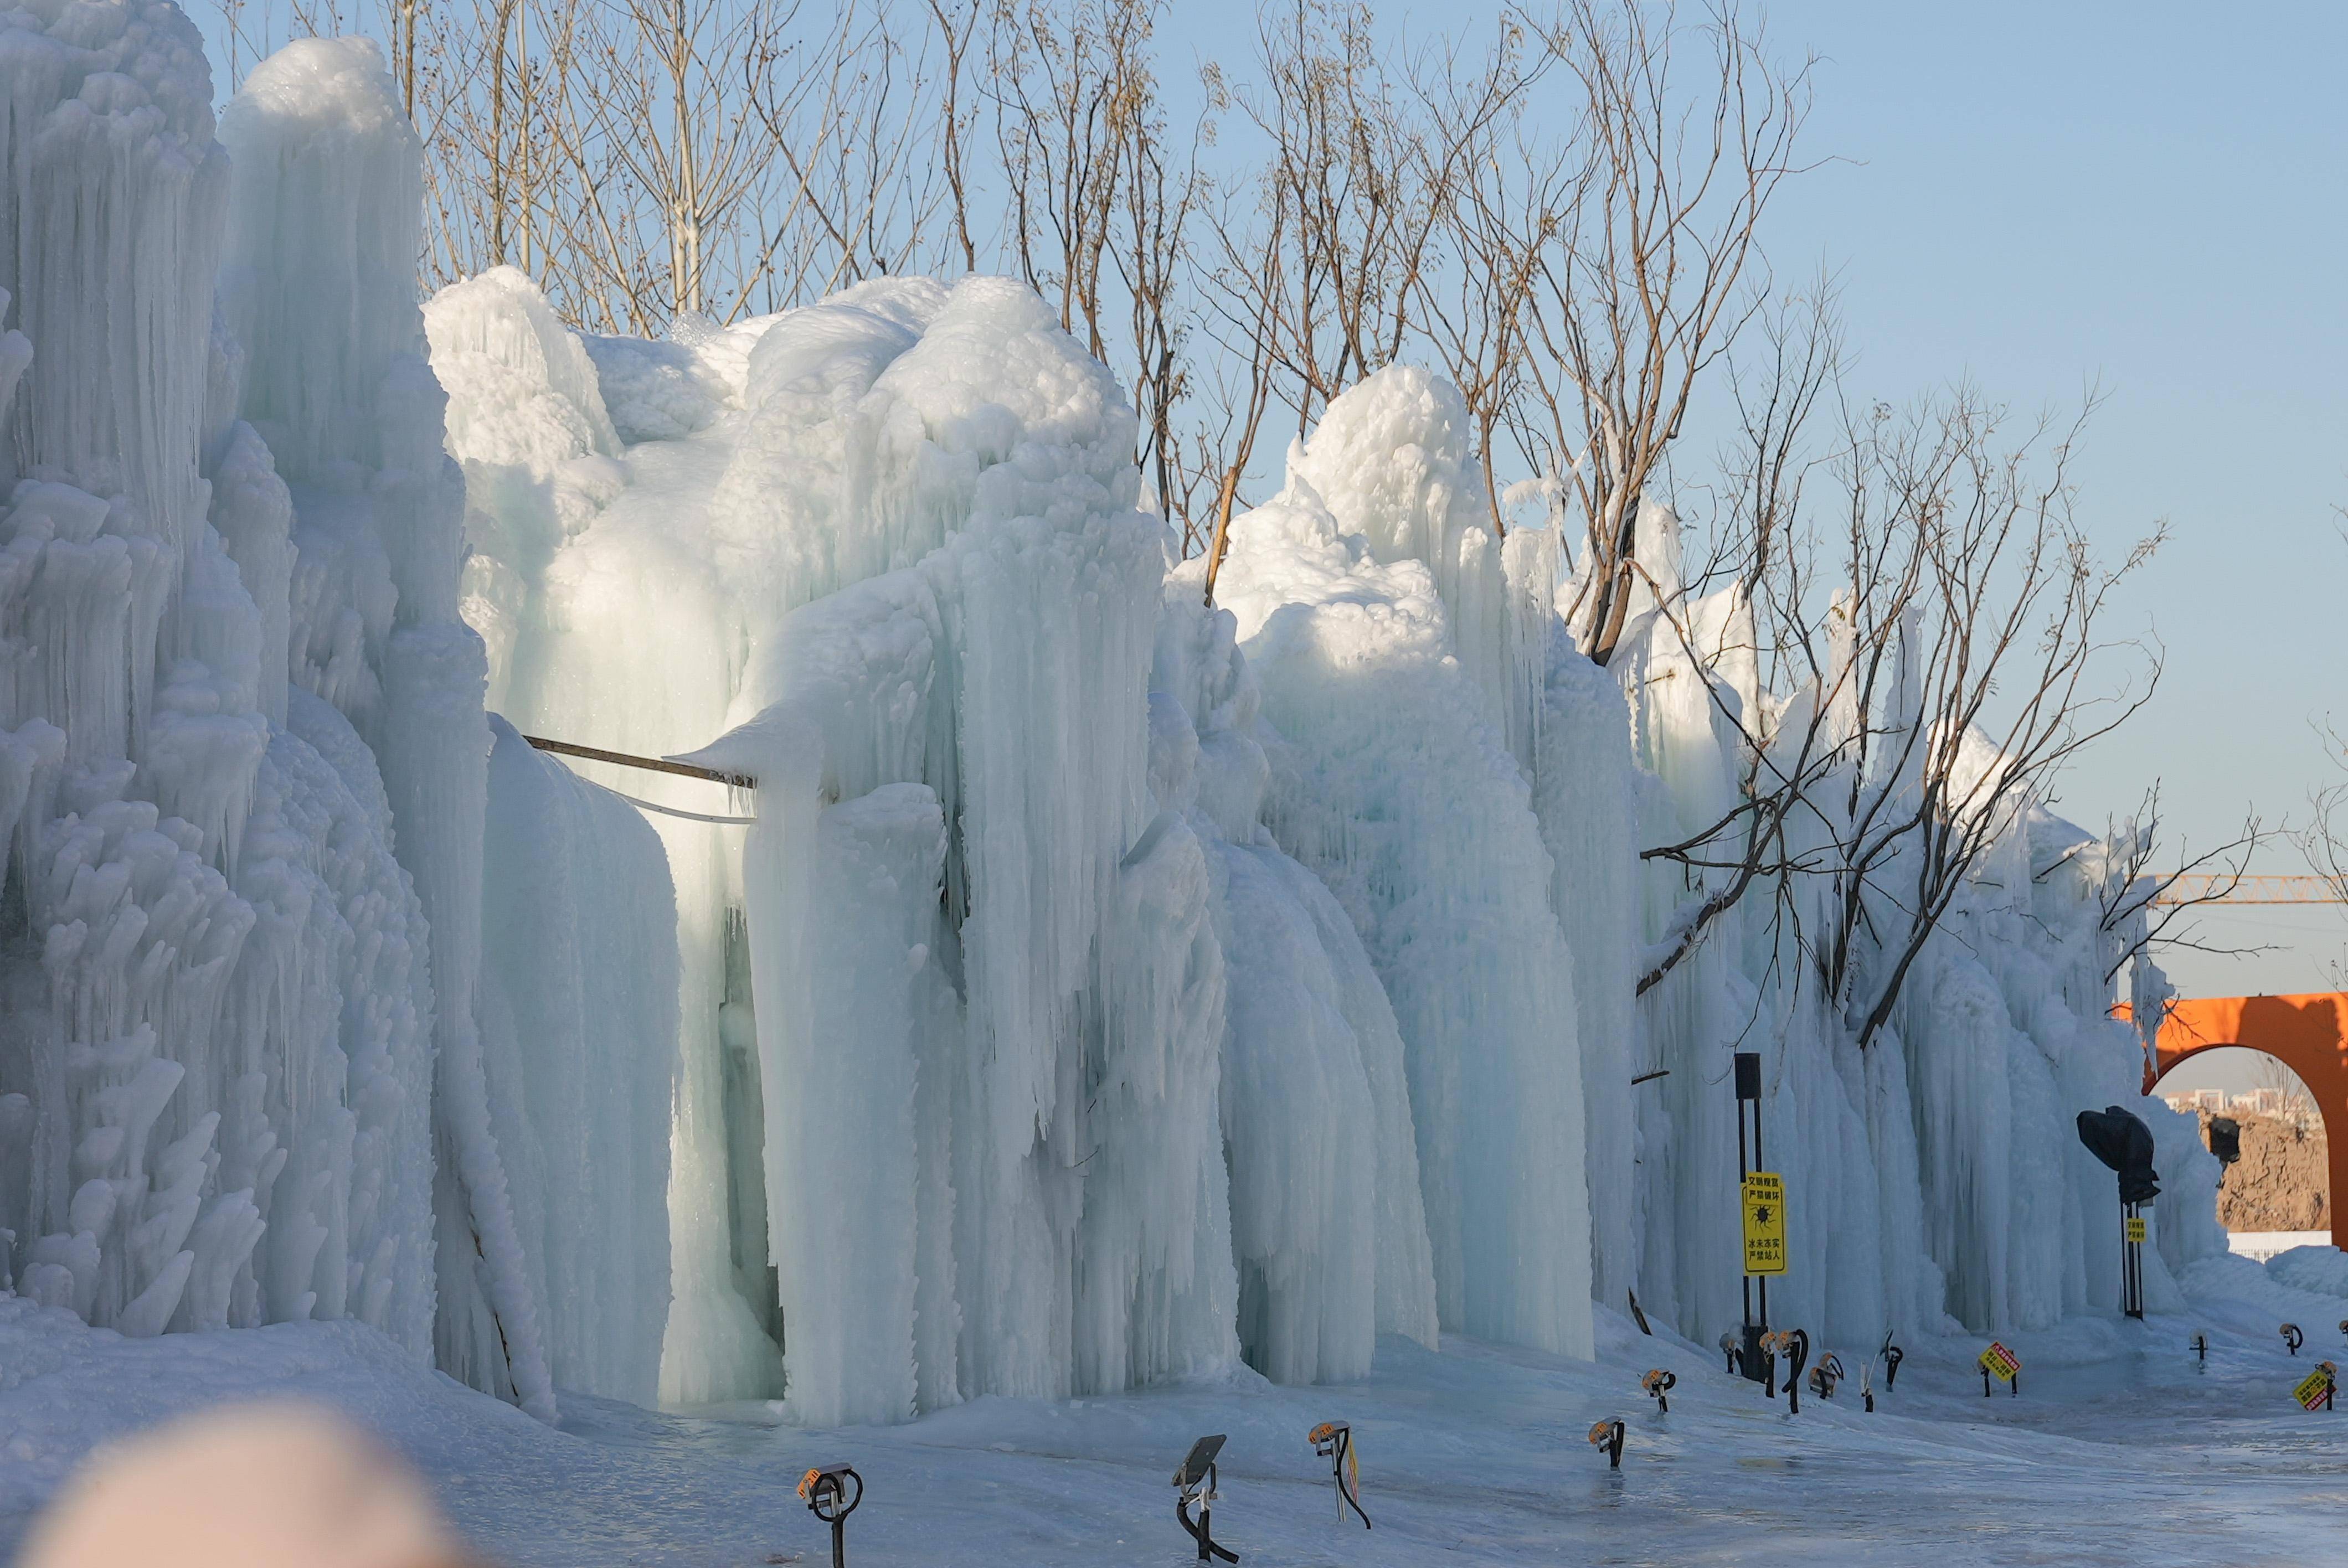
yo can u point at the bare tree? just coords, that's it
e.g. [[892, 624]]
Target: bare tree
[[1489, 185], [847, 117], [2323, 841], [1157, 199], [2135, 887], [1646, 275], [1344, 156], [957, 24], [1243, 292], [1066, 88], [1933, 680]]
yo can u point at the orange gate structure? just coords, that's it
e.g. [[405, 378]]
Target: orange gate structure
[[2307, 1033]]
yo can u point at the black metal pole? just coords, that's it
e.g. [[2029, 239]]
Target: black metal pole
[[1743, 1169]]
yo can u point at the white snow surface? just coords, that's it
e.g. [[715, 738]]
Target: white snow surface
[[1112, 990], [2121, 1447]]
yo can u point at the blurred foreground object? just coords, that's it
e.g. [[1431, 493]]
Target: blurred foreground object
[[259, 1486]]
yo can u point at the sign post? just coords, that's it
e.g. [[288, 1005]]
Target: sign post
[[1763, 1195], [2003, 1364], [2124, 1143]]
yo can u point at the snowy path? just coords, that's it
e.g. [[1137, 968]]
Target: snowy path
[[2121, 1449]]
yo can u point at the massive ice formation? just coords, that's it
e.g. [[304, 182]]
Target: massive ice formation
[[1933, 1178], [214, 1065], [994, 1112], [245, 766], [1095, 987]]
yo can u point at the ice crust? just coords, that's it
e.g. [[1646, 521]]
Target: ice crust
[[1110, 989]]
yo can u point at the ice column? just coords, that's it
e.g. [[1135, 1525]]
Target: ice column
[[1396, 786], [320, 289]]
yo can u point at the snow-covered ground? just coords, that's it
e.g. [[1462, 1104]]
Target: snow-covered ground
[[2121, 1447]]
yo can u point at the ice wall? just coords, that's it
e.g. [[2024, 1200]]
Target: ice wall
[[244, 766], [216, 1064], [1110, 986]]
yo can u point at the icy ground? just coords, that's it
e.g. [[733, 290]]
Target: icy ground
[[2120, 1449]]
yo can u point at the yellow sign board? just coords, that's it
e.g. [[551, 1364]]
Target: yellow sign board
[[1764, 1223], [2000, 1362], [2314, 1390], [2135, 1228]]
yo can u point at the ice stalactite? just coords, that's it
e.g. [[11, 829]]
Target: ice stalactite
[[1085, 1201], [108, 243], [1329, 1228], [1585, 796]]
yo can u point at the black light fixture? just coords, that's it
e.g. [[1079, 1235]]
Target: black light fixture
[[831, 1493], [1194, 1482], [2123, 1142]]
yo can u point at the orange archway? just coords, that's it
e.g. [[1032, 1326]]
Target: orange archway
[[2307, 1033]]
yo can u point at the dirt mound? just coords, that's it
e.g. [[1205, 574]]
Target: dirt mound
[[2280, 1182]]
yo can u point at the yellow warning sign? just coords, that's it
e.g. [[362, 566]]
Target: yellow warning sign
[[2134, 1227], [2000, 1362], [2314, 1390], [1764, 1223]]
